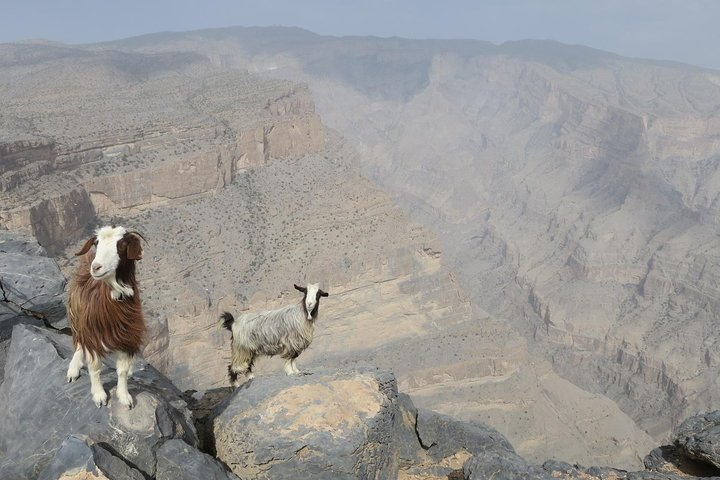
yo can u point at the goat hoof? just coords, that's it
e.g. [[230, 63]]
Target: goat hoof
[[72, 376], [100, 399], [126, 400]]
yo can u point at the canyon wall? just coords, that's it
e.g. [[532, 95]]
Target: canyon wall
[[242, 192], [104, 162], [574, 191]]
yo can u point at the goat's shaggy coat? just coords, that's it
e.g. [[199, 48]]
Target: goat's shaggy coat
[[287, 332], [105, 325], [104, 310]]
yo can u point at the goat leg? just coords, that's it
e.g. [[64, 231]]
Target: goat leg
[[96, 388], [124, 365], [76, 364]]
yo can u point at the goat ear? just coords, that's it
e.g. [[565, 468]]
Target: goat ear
[[134, 247], [88, 243], [322, 294], [302, 289]]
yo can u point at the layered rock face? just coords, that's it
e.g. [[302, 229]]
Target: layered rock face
[[174, 128], [574, 212], [575, 191]]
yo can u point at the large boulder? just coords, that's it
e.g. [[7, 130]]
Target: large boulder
[[562, 470], [30, 279], [326, 425], [443, 436], [176, 460], [699, 437], [673, 460], [78, 458], [502, 464], [443, 445], [40, 409], [31, 287]]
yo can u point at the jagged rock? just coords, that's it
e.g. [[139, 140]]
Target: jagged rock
[[30, 279], [498, 460], [661, 459], [202, 404], [40, 409], [699, 437], [29, 282], [326, 425], [562, 470], [79, 459], [502, 464], [665, 459], [409, 447], [176, 460], [443, 436], [441, 445], [672, 459], [415, 459]]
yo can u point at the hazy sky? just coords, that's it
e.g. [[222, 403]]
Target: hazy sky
[[682, 30]]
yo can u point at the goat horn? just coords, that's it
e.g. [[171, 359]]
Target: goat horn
[[135, 232]]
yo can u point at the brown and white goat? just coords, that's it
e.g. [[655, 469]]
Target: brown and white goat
[[104, 309]]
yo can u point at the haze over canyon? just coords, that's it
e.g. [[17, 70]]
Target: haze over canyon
[[526, 234]]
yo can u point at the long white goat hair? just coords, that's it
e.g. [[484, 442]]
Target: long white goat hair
[[287, 332]]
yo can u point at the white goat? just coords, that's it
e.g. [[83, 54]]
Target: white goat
[[104, 309], [286, 332]]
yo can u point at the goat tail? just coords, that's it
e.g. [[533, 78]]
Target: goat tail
[[227, 320]]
